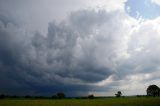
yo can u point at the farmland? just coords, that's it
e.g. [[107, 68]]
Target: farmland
[[127, 101]]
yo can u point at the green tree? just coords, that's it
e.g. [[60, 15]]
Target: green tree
[[91, 96], [153, 90], [2, 96], [60, 95], [118, 94]]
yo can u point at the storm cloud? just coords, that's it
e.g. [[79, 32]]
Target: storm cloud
[[73, 51], [89, 51]]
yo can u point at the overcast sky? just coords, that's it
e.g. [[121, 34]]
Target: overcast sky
[[79, 47]]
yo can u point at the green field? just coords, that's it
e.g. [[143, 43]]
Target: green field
[[141, 101]]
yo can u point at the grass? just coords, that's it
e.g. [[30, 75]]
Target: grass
[[141, 101]]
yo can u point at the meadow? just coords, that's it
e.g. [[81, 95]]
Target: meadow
[[136, 101]]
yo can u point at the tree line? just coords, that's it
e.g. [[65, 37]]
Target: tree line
[[152, 90], [59, 95]]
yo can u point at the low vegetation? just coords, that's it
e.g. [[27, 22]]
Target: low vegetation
[[128, 101]]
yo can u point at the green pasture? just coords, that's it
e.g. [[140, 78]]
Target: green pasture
[[137, 101]]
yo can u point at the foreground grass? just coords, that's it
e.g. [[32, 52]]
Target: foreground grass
[[85, 102]]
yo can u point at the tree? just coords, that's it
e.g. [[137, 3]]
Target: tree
[[2, 96], [118, 94], [60, 95], [153, 90], [91, 96], [27, 96], [54, 97]]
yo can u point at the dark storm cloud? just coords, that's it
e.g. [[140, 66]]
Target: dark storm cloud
[[63, 60], [77, 55]]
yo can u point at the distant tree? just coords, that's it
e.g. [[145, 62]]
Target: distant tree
[[14, 96], [118, 94], [27, 96], [2, 96], [153, 90], [91, 96], [54, 97], [60, 95], [39, 97]]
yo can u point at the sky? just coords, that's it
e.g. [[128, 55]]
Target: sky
[[79, 47]]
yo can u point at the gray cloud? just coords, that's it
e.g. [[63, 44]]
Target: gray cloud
[[78, 54], [35, 15]]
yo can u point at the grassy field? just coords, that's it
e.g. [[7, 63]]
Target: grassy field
[[84, 102]]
